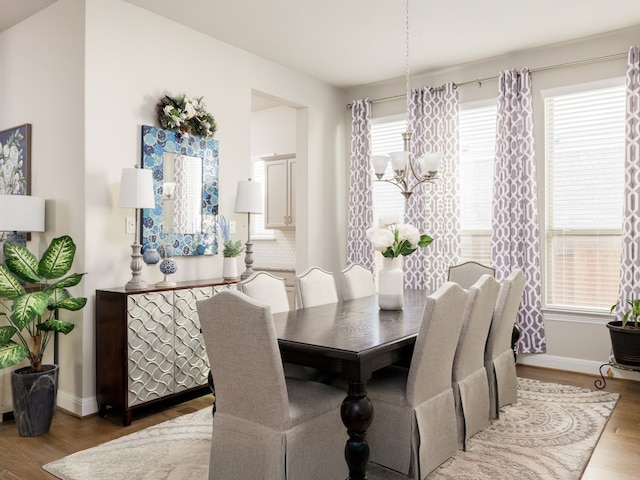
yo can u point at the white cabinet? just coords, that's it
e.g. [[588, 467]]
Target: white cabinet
[[280, 174]]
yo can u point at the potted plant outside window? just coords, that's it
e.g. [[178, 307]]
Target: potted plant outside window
[[230, 251], [31, 292], [625, 334]]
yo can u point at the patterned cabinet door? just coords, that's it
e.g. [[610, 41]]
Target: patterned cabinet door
[[192, 363], [150, 332], [227, 286]]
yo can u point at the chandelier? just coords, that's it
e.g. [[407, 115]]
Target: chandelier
[[408, 172]]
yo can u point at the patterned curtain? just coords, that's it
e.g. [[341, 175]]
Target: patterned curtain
[[630, 268], [434, 207], [359, 249], [515, 241]]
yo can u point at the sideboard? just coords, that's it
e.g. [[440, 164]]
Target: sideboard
[[149, 346]]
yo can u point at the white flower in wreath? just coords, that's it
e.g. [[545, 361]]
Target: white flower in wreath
[[190, 108]]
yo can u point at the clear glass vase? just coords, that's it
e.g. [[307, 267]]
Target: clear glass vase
[[391, 284]]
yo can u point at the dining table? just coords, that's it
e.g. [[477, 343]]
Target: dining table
[[352, 339]]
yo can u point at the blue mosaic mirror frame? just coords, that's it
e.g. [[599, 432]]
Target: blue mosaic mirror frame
[[156, 142]]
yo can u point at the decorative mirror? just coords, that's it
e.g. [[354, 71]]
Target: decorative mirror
[[185, 182]]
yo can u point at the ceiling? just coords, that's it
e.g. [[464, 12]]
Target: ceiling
[[357, 42]]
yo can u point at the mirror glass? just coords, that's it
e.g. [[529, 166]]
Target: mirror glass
[[185, 181]]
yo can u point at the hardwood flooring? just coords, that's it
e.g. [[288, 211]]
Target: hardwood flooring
[[617, 455]]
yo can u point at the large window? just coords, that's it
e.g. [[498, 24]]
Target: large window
[[477, 136], [584, 150], [386, 136]]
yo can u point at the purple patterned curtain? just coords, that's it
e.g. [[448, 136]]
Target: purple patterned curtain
[[359, 249], [630, 267], [515, 241], [434, 208]]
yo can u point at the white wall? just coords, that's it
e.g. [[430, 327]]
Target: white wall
[[42, 69], [574, 342], [87, 93]]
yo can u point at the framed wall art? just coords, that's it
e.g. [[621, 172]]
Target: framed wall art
[[15, 160]]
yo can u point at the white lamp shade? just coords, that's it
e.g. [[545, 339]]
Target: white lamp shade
[[136, 189], [380, 163], [430, 162], [249, 197], [399, 160], [21, 213]]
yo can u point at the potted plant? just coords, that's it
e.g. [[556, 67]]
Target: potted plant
[[230, 251], [625, 334], [29, 302]]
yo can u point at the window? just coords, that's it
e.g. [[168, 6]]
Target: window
[[477, 137], [257, 219], [386, 136], [584, 150]]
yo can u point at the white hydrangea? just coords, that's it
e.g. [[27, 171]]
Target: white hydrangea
[[391, 218], [380, 238], [408, 232]]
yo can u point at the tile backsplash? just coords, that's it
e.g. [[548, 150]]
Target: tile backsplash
[[277, 253]]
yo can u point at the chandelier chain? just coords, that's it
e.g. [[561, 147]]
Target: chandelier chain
[[408, 99]]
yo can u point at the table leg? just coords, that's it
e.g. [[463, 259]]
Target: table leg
[[357, 414]]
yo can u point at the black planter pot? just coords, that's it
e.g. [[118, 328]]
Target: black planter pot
[[34, 399], [625, 343]]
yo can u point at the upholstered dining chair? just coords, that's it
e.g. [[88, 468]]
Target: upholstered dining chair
[[498, 357], [266, 288], [467, 273], [358, 282], [415, 428], [470, 382], [315, 286], [272, 291], [265, 426]]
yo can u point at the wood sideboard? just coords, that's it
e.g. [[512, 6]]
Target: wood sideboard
[[149, 346]]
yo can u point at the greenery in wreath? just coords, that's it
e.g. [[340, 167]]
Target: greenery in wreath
[[186, 115]]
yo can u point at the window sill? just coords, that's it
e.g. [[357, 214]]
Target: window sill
[[576, 315]]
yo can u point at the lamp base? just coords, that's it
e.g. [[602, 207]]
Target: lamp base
[[136, 282], [248, 261]]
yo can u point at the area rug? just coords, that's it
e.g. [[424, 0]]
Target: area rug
[[549, 434]]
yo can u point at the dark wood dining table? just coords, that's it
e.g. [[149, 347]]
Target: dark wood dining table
[[352, 338]]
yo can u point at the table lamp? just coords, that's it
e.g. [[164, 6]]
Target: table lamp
[[21, 213], [248, 200], [136, 191]]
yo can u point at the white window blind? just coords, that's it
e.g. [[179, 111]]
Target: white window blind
[[257, 219], [584, 150], [477, 137], [386, 136]]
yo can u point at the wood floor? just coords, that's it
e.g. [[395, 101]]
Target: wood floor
[[617, 455]]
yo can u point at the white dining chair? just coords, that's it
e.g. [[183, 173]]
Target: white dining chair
[[265, 426], [267, 288], [415, 428], [467, 273], [498, 357], [470, 382], [315, 286], [357, 282]]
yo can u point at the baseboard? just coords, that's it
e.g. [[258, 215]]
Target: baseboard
[[578, 365], [80, 407]]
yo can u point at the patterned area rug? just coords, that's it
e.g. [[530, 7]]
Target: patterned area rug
[[549, 434]]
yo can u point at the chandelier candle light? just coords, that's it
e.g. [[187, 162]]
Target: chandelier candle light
[[425, 169], [394, 239]]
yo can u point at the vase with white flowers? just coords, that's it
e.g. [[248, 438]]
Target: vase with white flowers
[[230, 249], [394, 240]]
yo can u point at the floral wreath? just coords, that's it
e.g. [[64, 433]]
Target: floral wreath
[[187, 115]]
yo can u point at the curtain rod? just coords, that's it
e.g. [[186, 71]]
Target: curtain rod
[[479, 81]]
